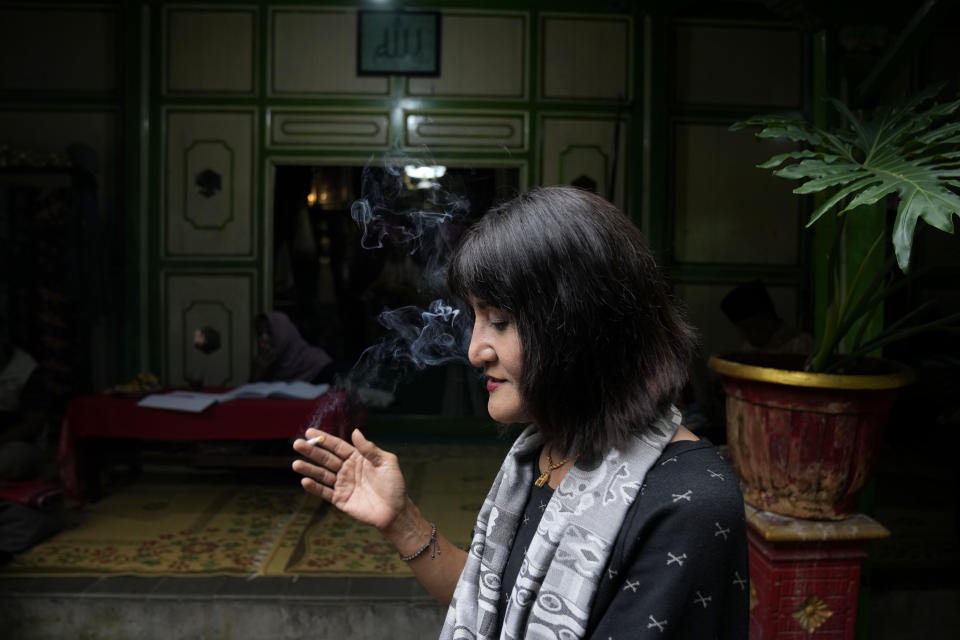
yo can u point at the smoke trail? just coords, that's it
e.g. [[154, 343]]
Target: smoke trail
[[418, 339], [424, 222]]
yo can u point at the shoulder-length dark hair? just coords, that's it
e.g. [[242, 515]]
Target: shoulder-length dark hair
[[605, 351]]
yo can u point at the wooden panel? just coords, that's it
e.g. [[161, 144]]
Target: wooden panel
[[586, 56], [59, 49], [576, 150], [482, 55], [210, 184], [196, 300], [210, 50], [313, 51], [318, 129], [737, 65], [720, 193], [474, 131]]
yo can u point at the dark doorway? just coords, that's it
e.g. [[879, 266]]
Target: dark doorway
[[334, 273]]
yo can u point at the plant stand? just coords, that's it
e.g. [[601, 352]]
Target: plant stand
[[805, 574]]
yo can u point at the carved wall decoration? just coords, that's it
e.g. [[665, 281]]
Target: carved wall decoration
[[328, 129], [209, 199], [196, 300], [209, 183], [470, 131]]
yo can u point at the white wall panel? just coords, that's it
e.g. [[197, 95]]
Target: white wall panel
[[586, 57], [317, 129], [720, 65], [59, 49], [469, 131], [481, 56], [583, 147], [314, 51], [209, 184], [210, 50], [196, 300], [728, 210]]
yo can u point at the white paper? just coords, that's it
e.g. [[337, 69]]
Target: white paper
[[179, 401], [196, 401], [299, 390]]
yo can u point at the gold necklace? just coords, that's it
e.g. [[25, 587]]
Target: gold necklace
[[545, 476]]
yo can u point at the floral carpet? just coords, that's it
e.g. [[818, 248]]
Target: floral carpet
[[203, 528]]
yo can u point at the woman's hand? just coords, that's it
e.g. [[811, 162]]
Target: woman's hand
[[365, 482], [360, 479]]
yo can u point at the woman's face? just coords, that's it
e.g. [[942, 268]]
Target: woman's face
[[495, 347]]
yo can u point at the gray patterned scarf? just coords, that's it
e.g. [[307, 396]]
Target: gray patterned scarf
[[567, 557]]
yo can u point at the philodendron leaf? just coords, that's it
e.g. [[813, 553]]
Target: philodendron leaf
[[864, 135], [838, 197], [902, 151], [930, 202], [791, 132], [940, 134], [777, 160]]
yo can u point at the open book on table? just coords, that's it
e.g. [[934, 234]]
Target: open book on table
[[197, 401]]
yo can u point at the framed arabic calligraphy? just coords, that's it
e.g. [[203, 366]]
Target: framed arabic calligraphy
[[398, 42]]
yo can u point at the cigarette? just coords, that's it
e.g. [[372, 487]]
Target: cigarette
[[315, 441]]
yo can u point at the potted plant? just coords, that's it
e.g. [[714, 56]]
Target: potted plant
[[803, 433]]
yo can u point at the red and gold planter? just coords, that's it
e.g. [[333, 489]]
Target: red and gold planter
[[803, 443]]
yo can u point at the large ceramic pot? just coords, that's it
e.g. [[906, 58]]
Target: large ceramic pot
[[804, 443]]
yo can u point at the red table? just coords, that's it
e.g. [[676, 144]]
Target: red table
[[115, 416]]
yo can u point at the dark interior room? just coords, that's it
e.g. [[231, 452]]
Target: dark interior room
[[228, 227]]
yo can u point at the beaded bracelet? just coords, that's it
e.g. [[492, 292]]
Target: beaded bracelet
[[432, 541]]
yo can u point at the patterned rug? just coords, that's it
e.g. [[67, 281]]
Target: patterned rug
[[203, 528]]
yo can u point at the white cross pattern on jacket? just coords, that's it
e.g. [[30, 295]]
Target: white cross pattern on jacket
[[676, 559], [655, 623], [721, 531], [738, 580], [701, 599], [714, 474], [682, 496], [631, 585]]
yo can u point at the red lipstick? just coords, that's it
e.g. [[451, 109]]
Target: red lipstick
[[493, 383]]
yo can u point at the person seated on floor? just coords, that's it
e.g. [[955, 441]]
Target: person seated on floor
[[283, 355], [22, 422], [750, 308], [608, 517], [22, 418]]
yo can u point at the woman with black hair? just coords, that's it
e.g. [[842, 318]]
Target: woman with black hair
[[608, 518]]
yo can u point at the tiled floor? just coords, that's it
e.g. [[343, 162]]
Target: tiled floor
[[912, 583], [407, 589], [221, 607]]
